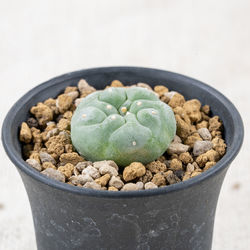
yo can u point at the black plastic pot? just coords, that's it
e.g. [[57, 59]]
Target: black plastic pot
[[180, 216]]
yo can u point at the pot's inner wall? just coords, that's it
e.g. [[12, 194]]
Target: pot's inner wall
[[99, 78]]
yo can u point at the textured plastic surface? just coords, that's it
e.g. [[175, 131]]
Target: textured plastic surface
[[124, 125], [180, 216]]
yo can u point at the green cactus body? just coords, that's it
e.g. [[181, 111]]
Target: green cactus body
[[122, 124]]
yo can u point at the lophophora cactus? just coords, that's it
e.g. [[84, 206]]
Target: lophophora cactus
[[122, 124]]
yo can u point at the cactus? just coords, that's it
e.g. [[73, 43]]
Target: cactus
[[122, 124]]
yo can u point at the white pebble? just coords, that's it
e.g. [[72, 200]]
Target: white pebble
[[92, 185], [107, 169], [91, 171], [34, 164], [116, 182], [140, 185], [130, 187], [150, 185]]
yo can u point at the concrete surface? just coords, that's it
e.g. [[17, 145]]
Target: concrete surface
[[208, 40]]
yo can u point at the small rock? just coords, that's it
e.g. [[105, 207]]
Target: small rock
[[205, 134], [186, 158], [73, 94], [25, 133], [52, 132], [190, 140], [32, 122], [63, 102], [67, 170], [72, 158], [176, 164], [190, 168], [214, 124], [186, 176], [82, 165], [159, 180], [219, 146], [84, 88], [45, 157], [130, 187], [156, 167], [192, 108], [107, 169], [134, 170], [176, 100], [93, 172], [169, 95], [110, 163], [195, 174], [48, 165], [103, 180], [183, 129], [206, 109], [116, 83], [54, 174], [202, 124], [171, 177], [160, 90], [70, 89], [63, 124], [34, 164], [144, 85], [200, 147], [112, 189], [177, 139], [92, 185], [35, 156], [116, 182], [210, 155], [147, 177], [209, 165], [80, 179], [42, 113], [150, 185], [140, 185], [177, 148]]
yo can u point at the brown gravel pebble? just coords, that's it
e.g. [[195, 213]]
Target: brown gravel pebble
[[134, 170], [103, 180], [48, 165], [42, 113], [67, 170], [176, 164], [156, 167], [47, 147], [159, 180], [73, 158], [25, 133]]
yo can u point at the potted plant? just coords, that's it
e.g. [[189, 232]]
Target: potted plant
[[180, 216]]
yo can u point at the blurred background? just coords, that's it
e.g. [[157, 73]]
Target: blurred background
[[207, 40]]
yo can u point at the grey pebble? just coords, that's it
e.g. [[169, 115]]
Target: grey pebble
[[93, 172], [45, 157], [92, 185], [177, 148], [116, 182], [54, 174], [80, 179], [205, 134], [201, 147], [34, 164], [82, 165]]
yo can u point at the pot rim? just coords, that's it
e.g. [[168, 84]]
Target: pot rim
[[226, 160]]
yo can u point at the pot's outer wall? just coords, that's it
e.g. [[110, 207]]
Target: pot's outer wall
[[180, 216], [177, 220]]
